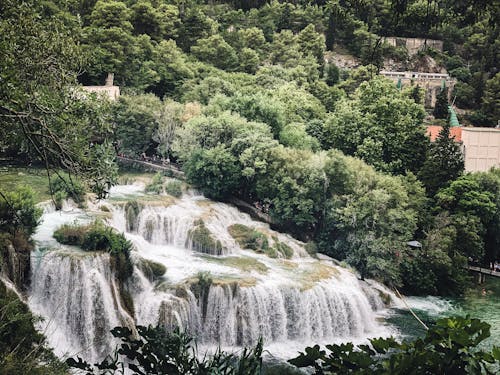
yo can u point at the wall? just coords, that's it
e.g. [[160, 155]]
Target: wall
[[481, 147], [414, 45], [430, 82], [112, 92]]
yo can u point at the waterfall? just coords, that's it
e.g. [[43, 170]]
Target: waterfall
[[79, 299], [229, 297]]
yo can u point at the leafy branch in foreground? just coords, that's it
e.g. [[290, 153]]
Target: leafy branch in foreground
[[449, 347], [156, 351]]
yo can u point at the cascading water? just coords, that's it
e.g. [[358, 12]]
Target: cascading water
[[228, 297]]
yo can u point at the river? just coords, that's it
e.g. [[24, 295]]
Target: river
[[476, 303]]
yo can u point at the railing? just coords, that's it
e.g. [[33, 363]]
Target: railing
[[484, 271]]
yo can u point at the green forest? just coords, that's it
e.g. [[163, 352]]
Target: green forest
[[245, 98]]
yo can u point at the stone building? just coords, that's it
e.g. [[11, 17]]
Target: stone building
[[432, 83], [109, 89]]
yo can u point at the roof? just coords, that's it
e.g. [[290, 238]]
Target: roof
[[433, 132]]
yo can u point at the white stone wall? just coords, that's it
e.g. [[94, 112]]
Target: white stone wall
[[481, 148], [112, 92]]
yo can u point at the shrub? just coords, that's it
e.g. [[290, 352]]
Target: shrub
[[98, 237], [249, 238], [158, 351], [156, 185], [174, 188], [449, 347], [64, 187], [71, 234]]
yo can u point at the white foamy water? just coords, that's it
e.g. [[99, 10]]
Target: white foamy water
[[290, 303], [431, 305]]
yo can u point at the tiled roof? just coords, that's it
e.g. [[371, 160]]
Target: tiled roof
[[433, 132]]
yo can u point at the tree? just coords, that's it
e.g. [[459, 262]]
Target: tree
[[216, 51], [441, 106], [134, 121], [381, 125], [332, 74], [491, 99], [39, 102], [444, 162], [312, 43], [168, 119], [215, 170]]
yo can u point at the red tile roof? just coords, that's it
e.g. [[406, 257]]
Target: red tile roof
[[433, 132]]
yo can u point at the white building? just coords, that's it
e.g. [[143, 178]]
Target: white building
[[481, 147]]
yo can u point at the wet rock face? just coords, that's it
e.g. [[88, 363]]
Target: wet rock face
[[201, 239], [15, 259]]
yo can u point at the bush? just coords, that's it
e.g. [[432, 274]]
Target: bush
[[160, 352], [64, 187], [249, 238], [449, 347], [21, 346], [174, 188], [98, 237], [156, 185]]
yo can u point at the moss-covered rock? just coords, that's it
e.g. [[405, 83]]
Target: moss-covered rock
[[249, 238], [152, 270], [280, 249], [246, 264], [202, 240], [132, 210]]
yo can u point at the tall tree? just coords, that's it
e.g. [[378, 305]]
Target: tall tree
[[441, 107], [443, 164], [39, 103]]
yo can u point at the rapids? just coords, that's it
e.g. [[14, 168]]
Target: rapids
[[225, 296]]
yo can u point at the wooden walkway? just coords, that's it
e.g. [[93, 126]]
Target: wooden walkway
[[176, 172], [484, 271]]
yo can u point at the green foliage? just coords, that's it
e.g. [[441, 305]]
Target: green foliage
[[160, 352], [174, 188], [98, 237], [65, 186], [441, 107], [156, 184], [18, 211], [134, 121], [449, 347], [22, 348], [216, 51], [443, 164], [249, 238], [381, 126], [216, 170], [491, 99], [40, 104]]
